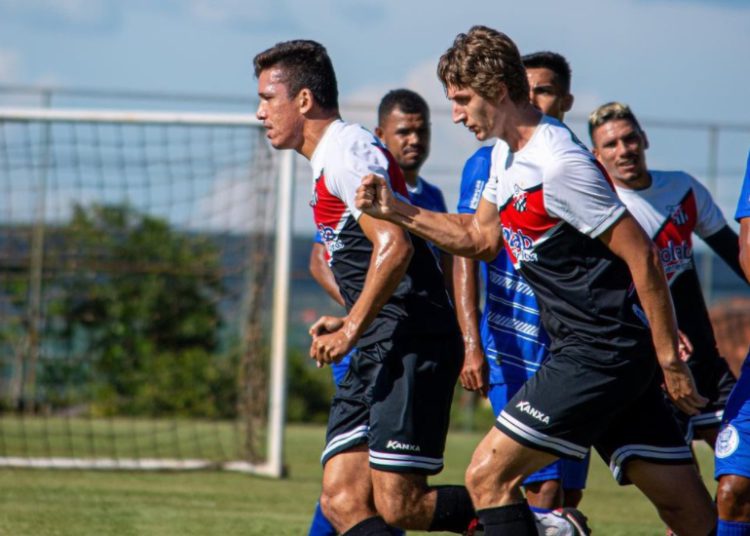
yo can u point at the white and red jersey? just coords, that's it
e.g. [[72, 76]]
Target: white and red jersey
[[554, 201], [345, 154], [670, 210]]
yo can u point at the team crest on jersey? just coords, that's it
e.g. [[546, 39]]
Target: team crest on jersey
[[727, 442], [520, 245], [328, 235], [519, 199], [677, 214]]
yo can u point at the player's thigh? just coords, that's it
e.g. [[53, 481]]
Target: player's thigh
[[659, 482], [733, 498], [411, 403]]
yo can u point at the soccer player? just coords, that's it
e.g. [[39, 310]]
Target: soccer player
[[671, 206], [733, 443], [389, 417], [404, 127], [585, 257], [513, 341]]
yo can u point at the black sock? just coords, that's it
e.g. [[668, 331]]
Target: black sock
[[372, 526], [453, 510], [515, 519]]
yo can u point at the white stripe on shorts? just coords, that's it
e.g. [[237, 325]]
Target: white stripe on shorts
[[350, 437], [404, 460], [649, 452], [707, 419], [538, 438]]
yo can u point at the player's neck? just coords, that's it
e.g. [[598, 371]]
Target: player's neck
[[411, 177], [518, 125], [641, 182], [313, 130]]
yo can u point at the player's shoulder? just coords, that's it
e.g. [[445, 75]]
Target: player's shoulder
[[350, 145], [674, 181], [483, 154], [557, 138]]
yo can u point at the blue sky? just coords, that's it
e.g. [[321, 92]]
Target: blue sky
[[683, 60]]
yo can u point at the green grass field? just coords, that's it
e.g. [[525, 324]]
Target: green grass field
[[40, 502]]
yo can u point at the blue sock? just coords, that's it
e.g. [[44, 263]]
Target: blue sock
[[733, 528], [320, 526]]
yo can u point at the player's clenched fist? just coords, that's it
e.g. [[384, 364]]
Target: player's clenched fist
[[374, 197]]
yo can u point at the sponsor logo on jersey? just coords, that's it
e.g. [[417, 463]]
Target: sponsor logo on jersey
[[676, 258], [519, 199], [677, 214], [398, 445], [476, 197], [727, 442], [520, 245], [525, 407], [328, 235]]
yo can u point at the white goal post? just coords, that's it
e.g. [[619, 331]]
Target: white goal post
[[32, 150]]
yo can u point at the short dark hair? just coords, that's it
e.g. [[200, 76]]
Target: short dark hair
[[554, 62], [611, 112], [406, 100], [306, 65], [482, 60]]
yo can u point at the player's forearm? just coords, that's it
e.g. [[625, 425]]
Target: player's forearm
[[466, 294], [458, 234], [745, 246], [388, 265], [324, 277], [653, 291]]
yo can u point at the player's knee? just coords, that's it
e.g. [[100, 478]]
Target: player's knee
[[481, 481], [338, 505], [733, 498]]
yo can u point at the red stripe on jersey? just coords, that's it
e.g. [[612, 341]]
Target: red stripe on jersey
[[604, 172], [398, 182], [674, 239], [524, 220], [329, 214]]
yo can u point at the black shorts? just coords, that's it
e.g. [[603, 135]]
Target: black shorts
[[574, 402], [714, 380], [396, 397]]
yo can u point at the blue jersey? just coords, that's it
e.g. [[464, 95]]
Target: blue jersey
[[514, 342], [743, 206], [425, 195]]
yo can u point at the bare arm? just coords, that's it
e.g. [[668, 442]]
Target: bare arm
[[745, 246], [391, 254], [477, 236], [627, 240], [321, 272], [474, 371]]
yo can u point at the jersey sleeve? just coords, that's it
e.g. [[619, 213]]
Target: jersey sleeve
[[710, 220], [473, 179], [317, 239], [360, 159], [578, 191], [491, 187], [743, 205]]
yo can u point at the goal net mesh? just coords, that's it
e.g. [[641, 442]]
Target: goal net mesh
[[136, 267]]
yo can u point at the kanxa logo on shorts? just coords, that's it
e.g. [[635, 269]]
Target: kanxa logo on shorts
[[397, 445], [524, 406]]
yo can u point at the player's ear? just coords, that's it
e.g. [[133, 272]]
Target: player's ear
[[567, 102], [379, 132], [305, 100]]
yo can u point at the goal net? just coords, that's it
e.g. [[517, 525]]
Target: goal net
[[144, 265]]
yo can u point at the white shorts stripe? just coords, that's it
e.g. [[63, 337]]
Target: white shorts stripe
[[543, 440], [705, 419], [404, 460], [340, 440], [651, 452]]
